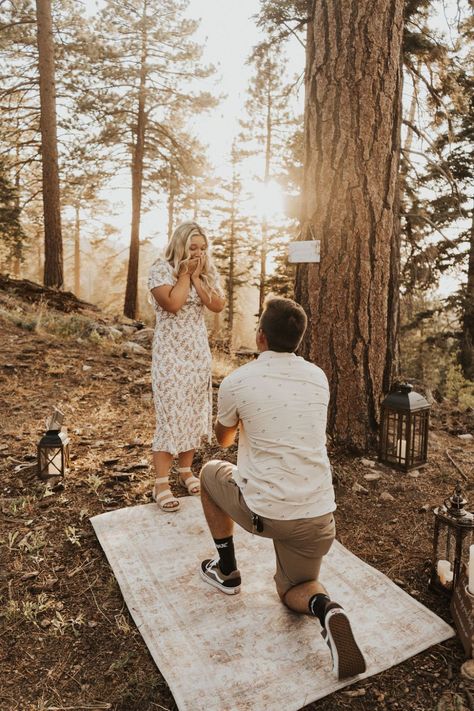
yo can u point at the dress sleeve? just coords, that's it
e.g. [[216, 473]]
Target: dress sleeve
[[227, 413], [160, 274]]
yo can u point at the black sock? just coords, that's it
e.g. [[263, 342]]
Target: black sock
[[317, 606], [225, 548]]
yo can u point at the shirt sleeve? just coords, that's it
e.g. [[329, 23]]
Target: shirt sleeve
[[160, 274], [227, 413]]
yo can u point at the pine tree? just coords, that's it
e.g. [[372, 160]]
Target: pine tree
[[350, 203], [264, 134], [232, 248], [438, 177], [53, 252], [141, 49]]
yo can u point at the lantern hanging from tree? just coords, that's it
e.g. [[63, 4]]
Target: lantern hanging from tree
[[453, 535], [404, 429], [53, 449]]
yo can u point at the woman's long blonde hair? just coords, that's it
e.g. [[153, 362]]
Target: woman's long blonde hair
[[178, 253]]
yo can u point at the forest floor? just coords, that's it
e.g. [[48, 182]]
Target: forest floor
[[67, 640]]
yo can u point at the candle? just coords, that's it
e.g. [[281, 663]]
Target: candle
[[443, 568], [471, 570], [401, 448]]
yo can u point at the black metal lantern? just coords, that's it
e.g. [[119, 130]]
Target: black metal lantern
[[404, 429], [453, 534], [53, 454], [53, 448]]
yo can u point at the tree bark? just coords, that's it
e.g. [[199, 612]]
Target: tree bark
[[130, 307], [467, 339], [53, 245], [351, 204], [77, 250]]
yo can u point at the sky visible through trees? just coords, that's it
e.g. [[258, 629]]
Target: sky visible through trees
[[228, 34]]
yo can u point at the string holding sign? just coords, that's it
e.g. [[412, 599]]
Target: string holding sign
[[304, 251]]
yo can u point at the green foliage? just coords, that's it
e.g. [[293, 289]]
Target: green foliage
[[456, 388], [40, 319], [429, 344], [437, 172], [11, 233]]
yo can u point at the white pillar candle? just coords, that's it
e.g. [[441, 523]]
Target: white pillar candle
[[443, 568], [401, 448], [471, 570]]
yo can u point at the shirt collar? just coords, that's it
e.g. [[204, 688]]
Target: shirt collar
[[274, 355]]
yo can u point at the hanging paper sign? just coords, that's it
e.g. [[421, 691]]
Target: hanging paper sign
[[304, 251]]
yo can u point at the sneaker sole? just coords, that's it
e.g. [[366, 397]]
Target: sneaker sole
[[348, 659], [216, 584]]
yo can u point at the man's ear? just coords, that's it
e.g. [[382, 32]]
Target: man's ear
[[261, 338]]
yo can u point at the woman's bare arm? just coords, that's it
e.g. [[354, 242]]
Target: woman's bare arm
[[211, 300], [172, 298]]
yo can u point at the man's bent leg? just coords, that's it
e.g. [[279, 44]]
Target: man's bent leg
[[299, 557], [221, 572], [298, 597], [220, 523]]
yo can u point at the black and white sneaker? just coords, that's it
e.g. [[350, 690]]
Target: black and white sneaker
[[347, 658], [212, 574]]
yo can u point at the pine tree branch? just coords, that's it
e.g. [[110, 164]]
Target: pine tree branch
[[446, 173], [420, 216]]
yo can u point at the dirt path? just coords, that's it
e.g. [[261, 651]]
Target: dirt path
[[67, 640]]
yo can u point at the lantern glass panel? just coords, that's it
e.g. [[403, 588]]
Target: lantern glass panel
[[51, 461], [395, 436], [419, 443]]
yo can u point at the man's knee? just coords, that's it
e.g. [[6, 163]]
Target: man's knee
[[210, 469]]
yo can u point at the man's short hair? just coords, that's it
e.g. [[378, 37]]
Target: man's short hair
[[283, 322]]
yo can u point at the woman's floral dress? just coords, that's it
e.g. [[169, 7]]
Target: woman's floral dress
[[181, 370]]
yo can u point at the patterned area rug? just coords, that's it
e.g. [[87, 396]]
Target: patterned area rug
[[247, 652]]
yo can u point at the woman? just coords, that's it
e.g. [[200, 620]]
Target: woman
[[182, 284]]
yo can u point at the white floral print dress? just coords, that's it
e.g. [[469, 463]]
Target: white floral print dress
[[180, 371]]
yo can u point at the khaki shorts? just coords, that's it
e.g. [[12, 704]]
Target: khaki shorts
[[300, 544]]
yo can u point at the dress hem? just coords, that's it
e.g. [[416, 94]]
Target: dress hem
[[205, 439]]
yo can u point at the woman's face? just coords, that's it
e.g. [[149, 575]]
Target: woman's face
[[197, 246]]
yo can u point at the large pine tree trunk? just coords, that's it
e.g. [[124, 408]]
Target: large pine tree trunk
[[53, 245], [350, 204], [131, 302], [467, 341]]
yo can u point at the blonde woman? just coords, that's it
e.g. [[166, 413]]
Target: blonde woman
[[183, 284]]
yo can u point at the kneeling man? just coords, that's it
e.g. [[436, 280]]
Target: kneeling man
[[281, 487]]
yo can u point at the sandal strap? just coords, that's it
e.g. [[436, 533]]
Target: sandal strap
[[184, 469], [191, 480], [166, 493], [166, 497], [162, 480]]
